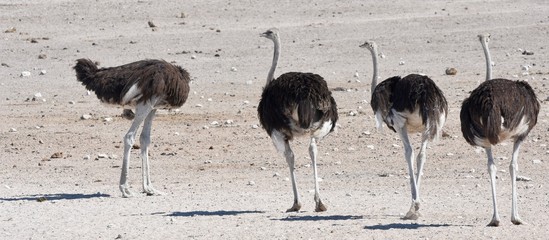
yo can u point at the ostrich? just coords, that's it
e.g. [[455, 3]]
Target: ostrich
[[296, 104], [147, 85], [408, 105], [497, 110]]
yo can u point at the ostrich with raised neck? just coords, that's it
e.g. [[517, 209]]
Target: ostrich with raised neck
[[296, 104], [412, 104], [147, 85], [497, 110]]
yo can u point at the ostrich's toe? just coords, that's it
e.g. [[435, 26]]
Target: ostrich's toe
[[295, 207], [320, 207]]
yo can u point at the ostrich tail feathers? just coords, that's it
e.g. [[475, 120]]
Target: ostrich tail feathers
[[85, 70]]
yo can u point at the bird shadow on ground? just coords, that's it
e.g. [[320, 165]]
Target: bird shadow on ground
[[54, 197], [405, 226], [210, 213], [320, 218]]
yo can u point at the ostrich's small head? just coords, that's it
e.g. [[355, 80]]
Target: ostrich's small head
[[270, 34], [484, 37], [370, 45]]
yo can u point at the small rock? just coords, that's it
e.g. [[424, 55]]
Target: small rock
[[356, 75], [214, 123], [451, 71], [249, 82], [233, 69], [38, 95], [10, 30], [370, 147], [13, 130], [57, 155], [263, 168], [25, 74], [229, 121], [43, 72], [353, 113], [536, 161], [255, 126], [107, 119], [401, 63], [72, 102], [527, 52], [251, 183], [276, 174], [85, 117], [86, 157], [42, 56], [193, 56], [101, 155], [151, 24]]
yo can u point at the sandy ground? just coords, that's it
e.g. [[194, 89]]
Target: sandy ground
[[225, 180]]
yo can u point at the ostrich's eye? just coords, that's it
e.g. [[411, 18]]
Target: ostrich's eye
[[269, 32]]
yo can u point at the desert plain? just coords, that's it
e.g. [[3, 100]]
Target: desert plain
[[61, 149]]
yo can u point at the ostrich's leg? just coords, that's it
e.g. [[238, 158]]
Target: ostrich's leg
[[492, 171], [313, 151], [513, 168], [421, 156], [145, 140], [413, 213], [283, 146], [142, 112]]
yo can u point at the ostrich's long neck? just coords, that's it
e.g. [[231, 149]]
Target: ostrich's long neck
[[375, 70], [276, 54], [488, 59]]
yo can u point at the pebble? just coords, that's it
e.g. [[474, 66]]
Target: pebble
[[43, 72], [251, 183], [276, 174], [255, 126], [233, 69], [193, 57], [86, 157], [229, 121], [451, 71], [85, 117], [263, 168], [353, 113], [249, 82], [13, 130], [25, 74], [101, 155], [536, 161], [214, 123], [205, 127], [356, 75], [370, 146], [38, 95], [107, 119], [72, 102]]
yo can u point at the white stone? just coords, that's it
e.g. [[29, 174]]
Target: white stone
[[13, 130], [229, 121], [370, 147], [38, 95], [536, 161], [251, 183], [43, 72], [249, 82], [85, 117], [233, 69], [87, 157], [255, 126], [101, 155], [25, 74], [214, 123]]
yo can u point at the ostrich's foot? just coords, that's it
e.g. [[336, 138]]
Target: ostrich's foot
[[517, 221], [150, 191], [320, 207], [126, 192], [494, 223], [413, 213], [295, 207]]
